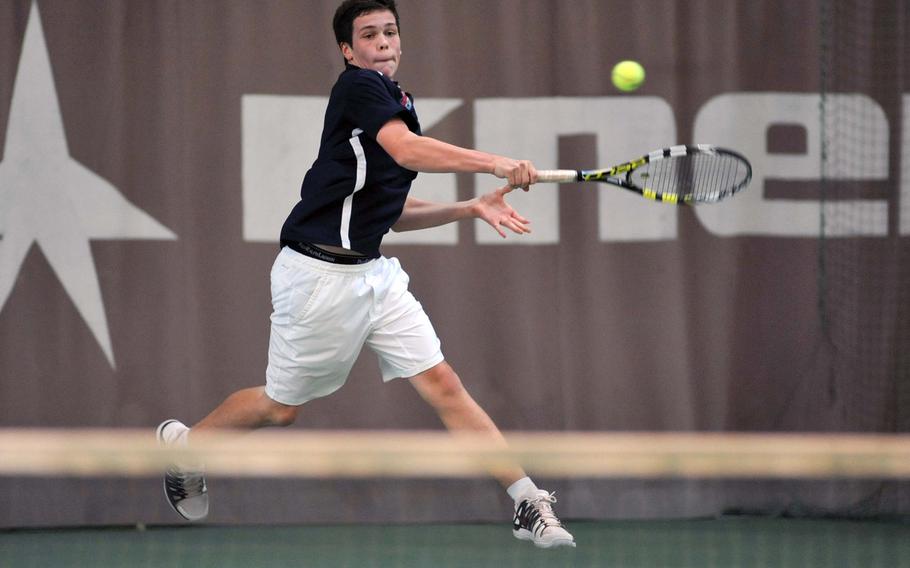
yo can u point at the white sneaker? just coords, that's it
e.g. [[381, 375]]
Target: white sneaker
[[535, 521], [185, 489]]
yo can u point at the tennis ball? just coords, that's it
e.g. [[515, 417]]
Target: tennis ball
[[628, 75]]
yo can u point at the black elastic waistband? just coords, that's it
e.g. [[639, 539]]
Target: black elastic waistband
[[312, 251]]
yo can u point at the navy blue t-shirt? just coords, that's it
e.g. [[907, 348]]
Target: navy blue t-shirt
[[355, 191]]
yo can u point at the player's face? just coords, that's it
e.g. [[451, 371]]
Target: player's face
[[376, 43]]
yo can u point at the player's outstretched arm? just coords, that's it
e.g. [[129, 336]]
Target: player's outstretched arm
[[425, 154], [491, 207]]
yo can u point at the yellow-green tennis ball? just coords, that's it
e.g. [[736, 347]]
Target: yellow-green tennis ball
[[628, 75]]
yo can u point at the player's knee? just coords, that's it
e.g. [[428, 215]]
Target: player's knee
[[282, 415], [443, 388]]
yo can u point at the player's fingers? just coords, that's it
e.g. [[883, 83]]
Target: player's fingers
[[515, 177], [516, 229], [525, 167], [520, 217], [516, 226], [520, 175]]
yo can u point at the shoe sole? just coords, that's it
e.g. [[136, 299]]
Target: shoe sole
[[524, 534]]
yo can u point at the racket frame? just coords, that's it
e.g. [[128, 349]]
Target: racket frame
[[620, 175]]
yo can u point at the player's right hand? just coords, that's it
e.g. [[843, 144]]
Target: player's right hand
[[520, 173]]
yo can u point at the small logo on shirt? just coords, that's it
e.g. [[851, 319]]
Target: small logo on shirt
[[406, 101]]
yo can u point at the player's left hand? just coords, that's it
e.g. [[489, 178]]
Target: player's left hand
[[492, 208]]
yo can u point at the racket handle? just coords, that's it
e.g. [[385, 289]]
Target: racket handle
[[556, 176]]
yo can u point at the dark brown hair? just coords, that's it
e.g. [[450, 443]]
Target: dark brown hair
[[343, 22]]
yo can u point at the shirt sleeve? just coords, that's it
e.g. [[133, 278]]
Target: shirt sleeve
[[369, 104]]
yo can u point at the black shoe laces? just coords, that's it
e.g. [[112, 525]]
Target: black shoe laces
[[538, 514], [185, 484]]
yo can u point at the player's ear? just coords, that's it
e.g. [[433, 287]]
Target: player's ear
[[346, 51]]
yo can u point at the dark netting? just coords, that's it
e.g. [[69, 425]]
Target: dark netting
[[864, 250]]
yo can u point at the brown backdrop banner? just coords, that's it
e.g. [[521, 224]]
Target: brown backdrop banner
[[150, 151]]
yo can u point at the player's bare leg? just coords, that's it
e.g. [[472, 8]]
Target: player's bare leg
[[247, 409], [443, 390], [534, 518]]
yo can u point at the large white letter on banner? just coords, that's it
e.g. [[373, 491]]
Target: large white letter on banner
[[625, 127], [741, 121]]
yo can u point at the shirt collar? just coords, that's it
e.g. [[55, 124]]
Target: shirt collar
[[348, 66]]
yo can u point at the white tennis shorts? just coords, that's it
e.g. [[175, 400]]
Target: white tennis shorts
[[323, 314]]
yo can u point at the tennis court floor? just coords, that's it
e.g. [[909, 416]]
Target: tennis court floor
[[727, 542]]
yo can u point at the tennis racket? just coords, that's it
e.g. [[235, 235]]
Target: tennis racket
[[684, 175]]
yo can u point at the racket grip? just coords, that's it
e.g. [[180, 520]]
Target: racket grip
[[556, 176]]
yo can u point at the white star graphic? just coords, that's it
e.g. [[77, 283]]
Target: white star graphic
[[48, 198]]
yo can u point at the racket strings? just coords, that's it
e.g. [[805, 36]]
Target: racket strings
[[697, 177]]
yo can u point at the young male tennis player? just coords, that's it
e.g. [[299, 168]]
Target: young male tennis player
[[332, 290]]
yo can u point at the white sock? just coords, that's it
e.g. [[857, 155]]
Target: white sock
[[183, 440], [521, 489], [175, 434]]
